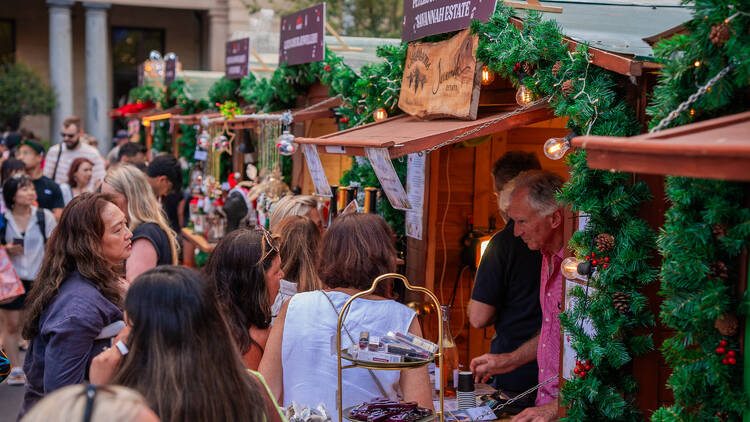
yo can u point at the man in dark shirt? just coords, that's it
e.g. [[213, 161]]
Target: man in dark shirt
[[48, 194], [506, 288]]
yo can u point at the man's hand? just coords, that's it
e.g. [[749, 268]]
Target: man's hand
[[104, 364], [544, 413], [489, 364]]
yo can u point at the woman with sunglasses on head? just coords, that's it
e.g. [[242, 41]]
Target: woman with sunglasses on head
[[75, 296], [245, 271], [298, 363], [179, 354], [154, 241]]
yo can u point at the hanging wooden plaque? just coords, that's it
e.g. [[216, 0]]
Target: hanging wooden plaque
[[442, 79]]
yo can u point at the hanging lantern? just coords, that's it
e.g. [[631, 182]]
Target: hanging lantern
[[524, 96], [555, 148], [488, 76], [204, 139], [154, 55], [285, 144], [380, 114]]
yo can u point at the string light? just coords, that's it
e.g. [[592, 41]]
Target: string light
[[487, 75], [524, 96], [380, 114], [697, 63], [555, 148], [573, 268]]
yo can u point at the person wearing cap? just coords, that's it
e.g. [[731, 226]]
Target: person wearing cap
[[121, 138], [61, 156], [48, 193]]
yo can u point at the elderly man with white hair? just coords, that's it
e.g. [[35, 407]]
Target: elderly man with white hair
[[539, 223]]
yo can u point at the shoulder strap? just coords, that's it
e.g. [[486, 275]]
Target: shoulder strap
[[57, 163], [42, 223], [3, 230]]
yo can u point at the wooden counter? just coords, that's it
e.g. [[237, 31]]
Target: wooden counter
[[191, 241]]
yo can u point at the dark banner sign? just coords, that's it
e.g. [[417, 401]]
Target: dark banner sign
[[237, 58], [430, 17], [170, 71], [302, 36]]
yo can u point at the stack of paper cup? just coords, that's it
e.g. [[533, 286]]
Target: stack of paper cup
[[465, 391]]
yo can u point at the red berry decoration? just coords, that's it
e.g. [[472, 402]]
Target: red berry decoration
[[731, 353], [582, 374], [588, 362], [593, 254], [587, 367], [720, 350], [723, 343], [588, 257], [517, 67], [732, 361], [605, 265], [327, 68], [576, 371], [725, 361], [606, 259], [594, 262]]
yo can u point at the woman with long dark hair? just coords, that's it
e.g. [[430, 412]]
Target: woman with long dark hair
[[180, 355], [245, 271], [298, 363], [77, 293]]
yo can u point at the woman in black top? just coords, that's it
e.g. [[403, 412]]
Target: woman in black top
[[154, 242]]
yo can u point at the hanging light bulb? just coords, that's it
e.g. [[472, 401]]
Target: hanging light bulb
[[285, 144], [524, 96], [380, 114], [154, 55], [555, 148], [170, 56], [487, 75], [573, 268]]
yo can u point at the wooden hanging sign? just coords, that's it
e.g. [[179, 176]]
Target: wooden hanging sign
[[442, 79]]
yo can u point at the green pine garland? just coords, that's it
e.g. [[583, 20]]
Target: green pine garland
[[693, 239]]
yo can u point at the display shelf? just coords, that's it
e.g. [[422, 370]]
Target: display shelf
[[438, 357]]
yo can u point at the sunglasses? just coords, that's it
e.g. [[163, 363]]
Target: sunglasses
[[269, 245], [67, 135]]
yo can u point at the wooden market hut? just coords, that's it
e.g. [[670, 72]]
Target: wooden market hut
[[458, 183]]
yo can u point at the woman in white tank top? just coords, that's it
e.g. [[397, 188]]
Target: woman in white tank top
[[298, 363]]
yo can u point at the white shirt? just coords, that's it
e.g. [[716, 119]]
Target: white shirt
[[287, 289], [67, 192], [310, 370], [28, 264], [68, 156]]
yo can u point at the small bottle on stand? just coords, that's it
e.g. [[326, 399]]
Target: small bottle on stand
[[448, 372], [371, 200]]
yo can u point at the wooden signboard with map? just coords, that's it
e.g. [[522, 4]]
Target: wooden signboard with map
[[442, 79]]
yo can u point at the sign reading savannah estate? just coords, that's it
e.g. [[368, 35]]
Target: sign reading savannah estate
[[301, 36], [430, 17], [236, 58], [442, 79]]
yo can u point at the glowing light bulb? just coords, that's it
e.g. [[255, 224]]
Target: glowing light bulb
[[524, 96], [573, 268], [487, 75], [697, 63], [380, 114], [555, 148]]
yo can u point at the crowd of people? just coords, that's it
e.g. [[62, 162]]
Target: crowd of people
[[116, 327]]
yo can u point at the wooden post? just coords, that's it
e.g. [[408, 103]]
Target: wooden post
[[176, 140]]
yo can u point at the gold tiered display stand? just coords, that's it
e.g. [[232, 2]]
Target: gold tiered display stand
[[438, 357]]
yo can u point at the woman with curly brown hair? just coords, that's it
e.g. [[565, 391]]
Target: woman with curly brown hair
[[298, 364], [77, 293]]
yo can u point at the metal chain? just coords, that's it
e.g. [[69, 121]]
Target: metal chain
[[488, 124], [693, 98], [526, 393]]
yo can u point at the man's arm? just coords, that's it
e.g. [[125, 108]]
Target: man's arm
[[489, 364], [49, 162], [481, 314]]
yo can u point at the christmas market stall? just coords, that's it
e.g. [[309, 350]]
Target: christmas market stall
[[516, 84]]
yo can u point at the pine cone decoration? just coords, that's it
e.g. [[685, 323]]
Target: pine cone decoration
[[719, 230], [556, 68], [567, 87], [605, 242], [727, 325], [719, 270], [528, 68], [719, 34], [621, 302]]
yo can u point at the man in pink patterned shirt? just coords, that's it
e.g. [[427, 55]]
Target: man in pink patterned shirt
[[539, 222]]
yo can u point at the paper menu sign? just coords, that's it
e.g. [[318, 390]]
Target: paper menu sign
[[302, 36], [237, 58], [381, 163], [317, 173], [415, 175]]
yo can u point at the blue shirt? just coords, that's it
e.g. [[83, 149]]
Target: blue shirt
[[61, 353]]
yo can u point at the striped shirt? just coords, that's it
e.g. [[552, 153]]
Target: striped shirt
[[548, 350], [68, 156]]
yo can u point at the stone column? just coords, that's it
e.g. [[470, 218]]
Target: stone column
[[218, 35], [60, 62], [98, 91]]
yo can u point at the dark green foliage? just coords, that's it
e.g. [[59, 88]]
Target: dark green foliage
[[223, 90], [22, 93]]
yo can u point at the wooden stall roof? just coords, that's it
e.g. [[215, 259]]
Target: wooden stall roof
[[712, 149], [406, 134]]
